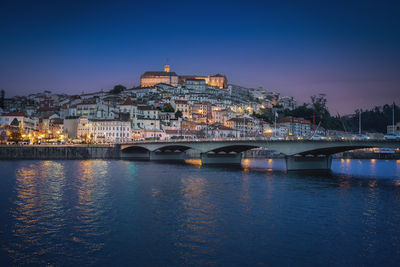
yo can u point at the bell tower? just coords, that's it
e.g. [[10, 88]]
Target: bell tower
[[166, 67]]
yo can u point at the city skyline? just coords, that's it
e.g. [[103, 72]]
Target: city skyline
[[347, 51]]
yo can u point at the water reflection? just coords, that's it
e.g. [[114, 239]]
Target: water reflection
[[129, 213], [194, 162], [37, 208], [353, 167], [199, 220], [90, 205], [263, 164], [369, 220], [46, 213]]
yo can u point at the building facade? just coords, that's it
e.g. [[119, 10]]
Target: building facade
[[295, 126], [104, 131], [393, 129], [151, 78]]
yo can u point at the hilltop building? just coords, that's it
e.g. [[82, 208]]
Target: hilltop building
[[151, 78], [217, 80]]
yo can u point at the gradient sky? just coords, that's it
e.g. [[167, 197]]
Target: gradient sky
[[348, 50]]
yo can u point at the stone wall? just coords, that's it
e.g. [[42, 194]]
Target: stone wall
[[59, 152]]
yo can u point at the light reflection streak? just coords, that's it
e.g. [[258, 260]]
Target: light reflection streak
[[38, 207], [246, 165], [200, 215], [195, 162], [46, 218], [370, 220]]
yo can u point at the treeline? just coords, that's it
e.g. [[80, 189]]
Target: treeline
[[373, 120]]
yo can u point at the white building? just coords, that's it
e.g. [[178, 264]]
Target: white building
[[20, 119], [393, 129], [197, 85], [295, 126], [183, 106], [105, 131]]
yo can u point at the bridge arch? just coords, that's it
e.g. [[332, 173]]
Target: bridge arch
[[332, 150], [173, 148], [232, 148], [135, 149]]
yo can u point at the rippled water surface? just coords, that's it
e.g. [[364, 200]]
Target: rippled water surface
[[98, 212]]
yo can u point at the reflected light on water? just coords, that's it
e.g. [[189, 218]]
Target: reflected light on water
[[372, 183], [200, 215], [38, 207], [96, 212], [62, 210], [246, 165], [344, 184], [194, 162]]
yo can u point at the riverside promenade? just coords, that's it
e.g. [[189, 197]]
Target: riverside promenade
[[49, 152]]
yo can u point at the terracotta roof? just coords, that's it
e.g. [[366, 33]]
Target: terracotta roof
[[15, 114], [146, 108], [240, 119], [183, 132], [222, 127], [158, 73], [128, 102], [47, 109], [164, 84], [57, 121], [294, 120], [106, 120], [180, 101], [194, 79]]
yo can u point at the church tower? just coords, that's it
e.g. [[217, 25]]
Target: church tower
[[166, 68]]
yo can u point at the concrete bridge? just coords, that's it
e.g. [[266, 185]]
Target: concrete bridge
[[299, 154]]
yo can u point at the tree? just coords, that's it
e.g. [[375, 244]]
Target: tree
[[178, 114], [117, 89], [317, 108], [3, 137], [265, 115], [321, 111], [168, 108], [15, 135]]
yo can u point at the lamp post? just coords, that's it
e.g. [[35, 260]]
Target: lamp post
[[393, 120]]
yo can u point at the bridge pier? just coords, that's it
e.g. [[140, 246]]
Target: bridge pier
[[302, 163], [221, 159], [168, 156], [139, 155]]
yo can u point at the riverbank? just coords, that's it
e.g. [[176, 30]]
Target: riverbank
[[60, 152]]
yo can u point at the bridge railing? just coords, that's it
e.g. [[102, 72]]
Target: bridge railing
[[295, 139]]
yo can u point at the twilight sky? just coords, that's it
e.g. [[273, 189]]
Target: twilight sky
[[348, 50]]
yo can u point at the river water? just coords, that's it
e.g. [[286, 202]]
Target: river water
[[115, 212]]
